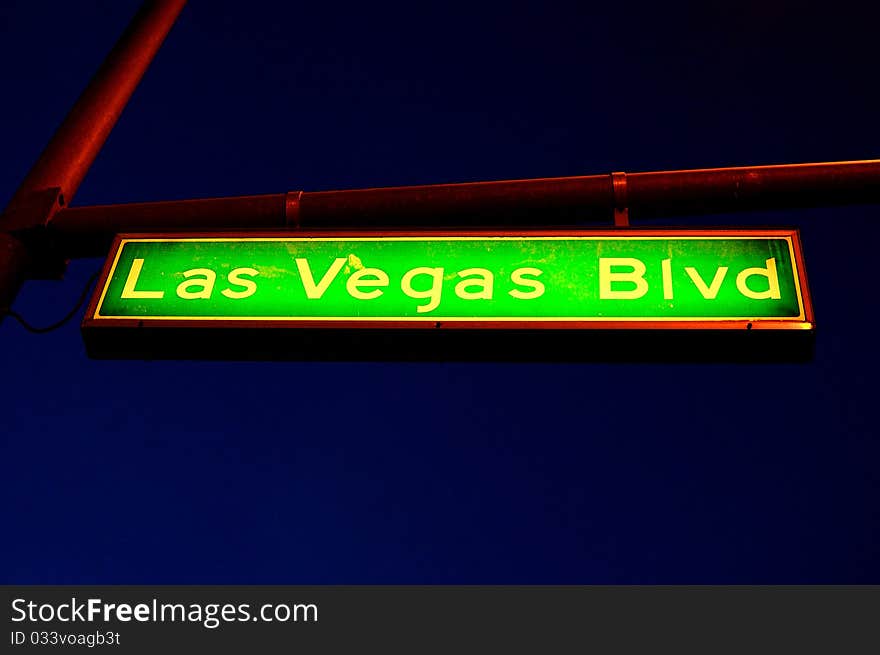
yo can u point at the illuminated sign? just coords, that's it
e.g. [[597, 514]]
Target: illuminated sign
[[675, 277], [572, 280]]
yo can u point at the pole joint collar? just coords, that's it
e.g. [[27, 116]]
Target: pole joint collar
[[621, 208], [291, 210]]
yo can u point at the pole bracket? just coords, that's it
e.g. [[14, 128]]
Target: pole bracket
[[33, 209], [291, 210], [621, 208], [26, 219]]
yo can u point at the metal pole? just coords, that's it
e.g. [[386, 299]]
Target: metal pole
[[55, 177], [539, 203]]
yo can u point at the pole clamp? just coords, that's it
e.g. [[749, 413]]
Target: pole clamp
[[621, 208], [291, 210]]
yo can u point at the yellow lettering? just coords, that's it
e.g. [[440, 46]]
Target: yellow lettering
[[129, 291], [313, 290], [235, 277], [484, 281], [666, 268], [635, 276], [375, 278], [519, 277], [772, 281], [709, 292], [205, 284], [433, 293]]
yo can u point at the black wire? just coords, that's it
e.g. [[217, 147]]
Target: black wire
[[54, 326]]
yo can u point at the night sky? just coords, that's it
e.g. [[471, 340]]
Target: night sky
[[287, 472]]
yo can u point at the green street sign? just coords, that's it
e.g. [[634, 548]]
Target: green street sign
[[482, 295], [711, 279]]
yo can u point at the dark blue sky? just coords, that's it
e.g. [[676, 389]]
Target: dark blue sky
[[188, 472]]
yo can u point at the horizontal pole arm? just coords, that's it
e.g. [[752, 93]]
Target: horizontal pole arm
[[539, 203]]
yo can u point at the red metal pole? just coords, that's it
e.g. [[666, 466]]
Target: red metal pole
[[539, 203], [55, 177]]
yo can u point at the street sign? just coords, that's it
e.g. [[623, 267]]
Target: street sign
[[715, 280]]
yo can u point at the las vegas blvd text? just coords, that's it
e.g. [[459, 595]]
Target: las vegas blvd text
[[620, 278]]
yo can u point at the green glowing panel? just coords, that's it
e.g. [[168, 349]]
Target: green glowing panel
[[593, 279]]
